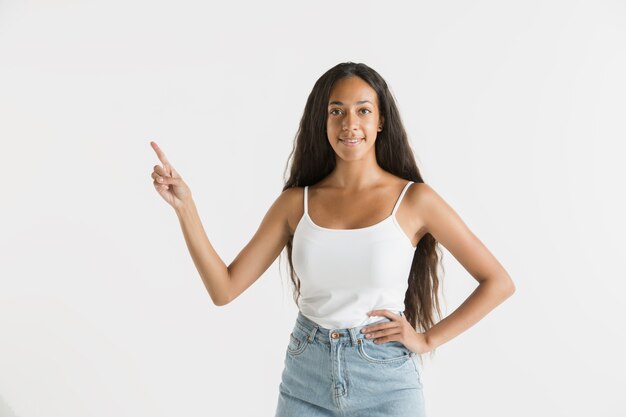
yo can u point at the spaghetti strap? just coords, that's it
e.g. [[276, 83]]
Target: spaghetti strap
[[306, 204], [406, 187]]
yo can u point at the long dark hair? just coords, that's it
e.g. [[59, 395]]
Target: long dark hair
[[312, 159]]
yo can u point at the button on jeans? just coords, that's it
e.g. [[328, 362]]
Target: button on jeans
[[338, 372]]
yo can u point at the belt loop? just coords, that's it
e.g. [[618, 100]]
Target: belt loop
[[311, 335], [352, 331]]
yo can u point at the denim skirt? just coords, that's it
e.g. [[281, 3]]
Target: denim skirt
[[338, 372]]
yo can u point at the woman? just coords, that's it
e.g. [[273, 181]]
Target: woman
[[361, 230]]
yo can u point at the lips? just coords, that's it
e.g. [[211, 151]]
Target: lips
[[351, 140]]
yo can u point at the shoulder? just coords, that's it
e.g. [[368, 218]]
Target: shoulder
[[286, 202], [429, 206], [289, 199], [421, 198], [292, 194], [418, 191], [291, 202]]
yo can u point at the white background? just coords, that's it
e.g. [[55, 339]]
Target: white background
[[515, 111]]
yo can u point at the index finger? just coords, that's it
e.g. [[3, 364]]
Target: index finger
[[159, 153]]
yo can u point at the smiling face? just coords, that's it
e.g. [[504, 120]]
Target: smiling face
[[352, 114]]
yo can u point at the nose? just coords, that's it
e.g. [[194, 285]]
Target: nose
[[350, 121]]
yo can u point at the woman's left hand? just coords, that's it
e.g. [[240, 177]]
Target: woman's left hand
[[398, 329]]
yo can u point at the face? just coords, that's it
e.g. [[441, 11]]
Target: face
[[353, 114]]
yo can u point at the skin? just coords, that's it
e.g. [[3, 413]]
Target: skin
[[360, 194], [349, 117]]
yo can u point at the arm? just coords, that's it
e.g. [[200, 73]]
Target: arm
[[225, 283], [495, 284]]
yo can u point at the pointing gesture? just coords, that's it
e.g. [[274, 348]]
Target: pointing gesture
[[168, 182]]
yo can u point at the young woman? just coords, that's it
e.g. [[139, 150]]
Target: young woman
[[361, 230]]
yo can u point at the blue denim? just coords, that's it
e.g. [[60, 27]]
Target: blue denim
[[338, 372]]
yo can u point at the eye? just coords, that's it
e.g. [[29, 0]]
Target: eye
[[337, 110]]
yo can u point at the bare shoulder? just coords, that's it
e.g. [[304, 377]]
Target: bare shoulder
[[437, 217], [292, 206], [288, 196], [415, 196], [410, 214], [419, 191], [423, 200]]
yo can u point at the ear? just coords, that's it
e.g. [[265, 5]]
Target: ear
[[381, 123]]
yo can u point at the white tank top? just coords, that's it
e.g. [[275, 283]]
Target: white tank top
[[344, 273]]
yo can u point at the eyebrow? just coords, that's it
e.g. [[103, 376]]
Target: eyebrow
[[341, 104]]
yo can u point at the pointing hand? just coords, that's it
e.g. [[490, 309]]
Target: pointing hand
[[168, 183]]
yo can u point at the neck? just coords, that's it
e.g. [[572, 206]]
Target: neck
[[356, 175]]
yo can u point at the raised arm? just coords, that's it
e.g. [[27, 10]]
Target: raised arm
[[224, 283]]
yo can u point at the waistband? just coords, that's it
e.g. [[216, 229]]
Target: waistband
[[352, 334]]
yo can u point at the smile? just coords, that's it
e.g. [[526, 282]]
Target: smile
[[351, 142]]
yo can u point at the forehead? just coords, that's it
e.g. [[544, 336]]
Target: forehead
[[351, 90]]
